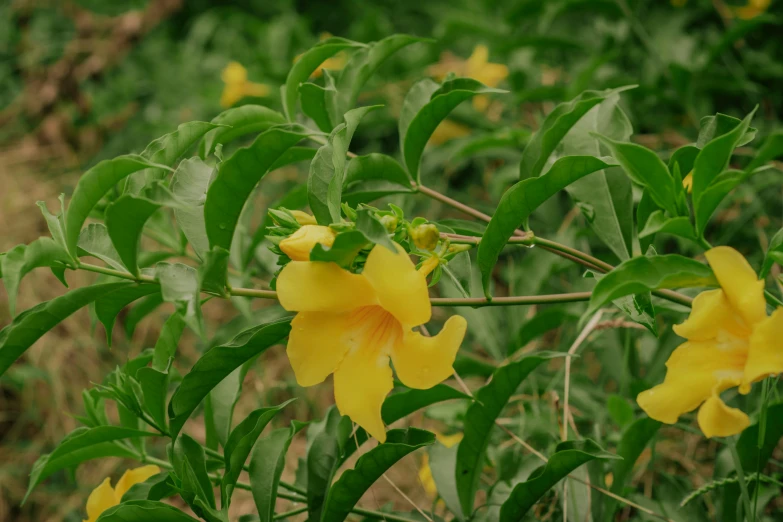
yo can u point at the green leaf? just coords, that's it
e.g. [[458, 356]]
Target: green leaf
[[267, 462], [190, 466], [55, 223], [711, 127], [30, 325], [95, 241], [642, 274], [362, 65], [713, 195], [223, 399], [372, 228], [480, 418], [217, 364], [144, 511], [568, 457], [635, 439], [775, 247], [213, 272], [80, 445], [645, 168], [189, 184], [685, 157], [237, 122], [315, 101], [443, 463], [92, 186], [179, 284], [711, 161], [157, 487], [657, 222], [644, 210], [353, 483], [344, 250], [521, 200], [427, 118], [108, 307], [238, 176], [771, 149], [145, 307], [241, 442], [327, 170], [20, 260], [307, 63], [376, 173], [554, 129], [294, 155], [323, 458]]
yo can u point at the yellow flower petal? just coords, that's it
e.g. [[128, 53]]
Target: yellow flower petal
[[258, 90], [753, 9], [361, 383], [299, 244], [718, 420], [449, 440], [132, 477], [743, 288], [303, 218], [317, 344], [400, 288], [710, 314], [765, 354], [422, 362], [693, 371], [305, 286], [426, 478], [234, 73], [231, 95], [102, 498], [478, 59]]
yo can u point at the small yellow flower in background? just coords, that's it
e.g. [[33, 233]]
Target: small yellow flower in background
[[731, 342], [299, 244], [353, 324], [104, 496], [333, 63], [237, 86], [687, 182], [478, 67], [753, 9], [447, 131], [425, 471]]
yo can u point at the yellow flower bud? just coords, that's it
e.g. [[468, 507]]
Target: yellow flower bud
[[389, 222], [429, 264], [425, 236], [299, 244], [303, 218]]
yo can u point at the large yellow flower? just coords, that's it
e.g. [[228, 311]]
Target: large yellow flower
[[731, 342], [237, 86], [477, 66], [104, 496], [352, 324]]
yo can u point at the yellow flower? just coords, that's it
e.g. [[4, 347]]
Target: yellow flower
[[687, 182], [237, 86], [303, 218], [478, 67], [352, 324], [425, 471], [447, 131], [731, 342], [299, 244], [104, 496], [753, 9]]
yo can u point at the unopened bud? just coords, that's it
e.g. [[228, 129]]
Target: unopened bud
[[456, 249], [389, 222], [303, 218], [299, 244], [425, 236]]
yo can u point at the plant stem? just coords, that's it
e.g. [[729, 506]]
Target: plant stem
[[379, 515], [291, 513], [286, 485], [741, 476]]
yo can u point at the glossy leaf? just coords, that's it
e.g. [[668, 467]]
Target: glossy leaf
[[657, 222], [521, 200], [267, 462], [80, 445], [442, 101], [375, 167], [20, 260], [30, 325], [92, 186], [217, 364], [568, 456], [190, 467], [554, 129], [711, 127], [237, 122], [480, 418], [372, 228], [95, 241], [306, 64], [179, 284], [326, 441], [353, 483], [238, 176], [344, 250], [144, 511], [109, 306], [189, 184], [642, 274], [771, 149], [315, 102]]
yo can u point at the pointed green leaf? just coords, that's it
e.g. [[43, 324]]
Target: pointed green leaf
[[189, 462], [480, 419], [374, 176], [20, 260], [238, 176], [771, 149], [179, 284], [353, 483], [372, 228], [657, 222], [55, 223], [315, 101], [711, 127], [343, 251], [108, 307], [95, 241], [568, 457], [237, 122], [189, 184], [217, 364], [144, 511], [521, 200], [30, 325]]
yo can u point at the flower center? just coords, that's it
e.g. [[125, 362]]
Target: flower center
[[374, 330]]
